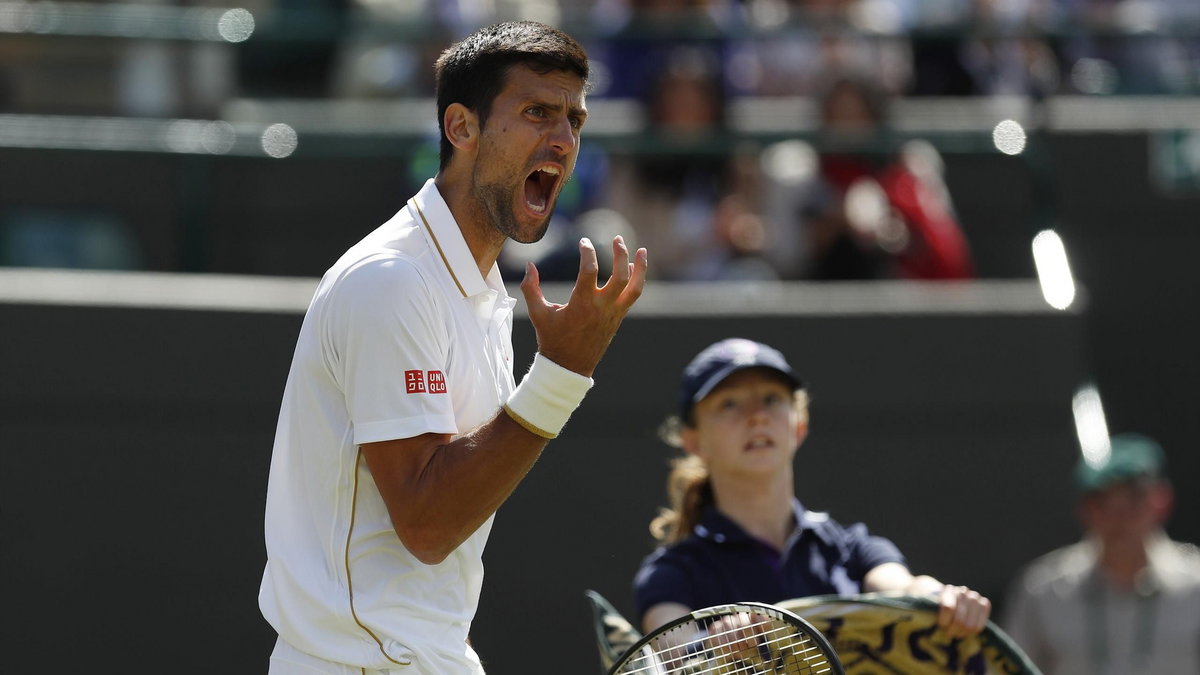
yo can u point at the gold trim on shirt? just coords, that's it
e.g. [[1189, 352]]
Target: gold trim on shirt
[[349, 580], [438, 246]]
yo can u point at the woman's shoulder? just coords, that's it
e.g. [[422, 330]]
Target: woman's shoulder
[[686, 552]]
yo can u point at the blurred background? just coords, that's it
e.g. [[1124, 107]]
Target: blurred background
[[967, 222]]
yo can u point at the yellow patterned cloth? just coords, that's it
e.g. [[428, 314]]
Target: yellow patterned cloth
[[874, 634], [880, 634]]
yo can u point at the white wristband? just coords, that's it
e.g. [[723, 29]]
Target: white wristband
[[546, 397]]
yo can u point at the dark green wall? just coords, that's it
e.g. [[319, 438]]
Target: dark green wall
[[135, 447]]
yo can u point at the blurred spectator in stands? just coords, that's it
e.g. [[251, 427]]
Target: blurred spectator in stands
[[671, 185], [739, 246], [464, 16], [639, 39], [871, 211], [174, 78], [293, 52], [1132, 46], [985, 48], [1006, 51], [794, 43], [391, 46], [1125, 599], [6, 90]]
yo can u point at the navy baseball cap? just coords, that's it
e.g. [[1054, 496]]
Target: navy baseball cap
[[722, 359], [1133, 456]]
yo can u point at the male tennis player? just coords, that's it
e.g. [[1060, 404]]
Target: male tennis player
[[401, 429]]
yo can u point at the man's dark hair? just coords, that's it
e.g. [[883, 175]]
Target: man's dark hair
[[473, 71]]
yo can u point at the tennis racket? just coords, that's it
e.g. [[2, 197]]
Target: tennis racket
[[746, 638]]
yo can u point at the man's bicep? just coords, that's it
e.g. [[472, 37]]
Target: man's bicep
[[397, 465]]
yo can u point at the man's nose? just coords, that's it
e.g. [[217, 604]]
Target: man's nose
[[562, 137]]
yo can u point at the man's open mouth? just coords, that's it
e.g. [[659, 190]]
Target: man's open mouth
[[539, 186]]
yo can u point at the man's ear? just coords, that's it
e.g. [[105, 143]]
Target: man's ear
[[1162, 501], [461, 125]]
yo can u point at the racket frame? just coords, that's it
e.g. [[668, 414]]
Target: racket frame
[[708, 614]]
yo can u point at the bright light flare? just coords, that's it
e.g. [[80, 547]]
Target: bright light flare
[[1009, 137], [1054, 272], [236, 25], [199, 136], [1091, 426], [280, 140], [791, 163]]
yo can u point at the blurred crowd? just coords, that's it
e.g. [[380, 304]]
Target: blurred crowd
[[855, 205], [788, 47], [848, 202]]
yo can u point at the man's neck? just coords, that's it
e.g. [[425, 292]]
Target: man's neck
[[482, 240], [1121, 563]]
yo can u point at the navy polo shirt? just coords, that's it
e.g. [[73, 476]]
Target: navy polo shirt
[[720, 563]]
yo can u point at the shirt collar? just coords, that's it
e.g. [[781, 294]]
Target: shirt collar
[[817, 522], [715, 526], [432, 214], [1165, 568], [1162, 571]]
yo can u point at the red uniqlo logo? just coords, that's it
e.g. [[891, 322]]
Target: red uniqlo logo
[[437, 382], [414, 381]]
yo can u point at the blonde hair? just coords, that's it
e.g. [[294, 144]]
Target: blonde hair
[[689, 488], [688, 491]]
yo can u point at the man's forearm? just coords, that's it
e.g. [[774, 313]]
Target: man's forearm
[[440, 491]]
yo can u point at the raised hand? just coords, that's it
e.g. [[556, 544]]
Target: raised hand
[[576, 334]]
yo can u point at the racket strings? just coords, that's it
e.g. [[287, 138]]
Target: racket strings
[[753, 669], [706, 653]]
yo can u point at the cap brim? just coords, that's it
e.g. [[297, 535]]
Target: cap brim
[[719, 376]]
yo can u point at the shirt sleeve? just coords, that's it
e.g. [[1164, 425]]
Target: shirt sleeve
[[868, 551], [662, 578], [386, 334]]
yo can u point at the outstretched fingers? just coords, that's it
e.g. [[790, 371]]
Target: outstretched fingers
[[576, 334], [637, 278], [589, 268], [531, 288], [628, 277], [621, 270]]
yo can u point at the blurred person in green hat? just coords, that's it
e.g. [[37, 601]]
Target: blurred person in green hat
[[1126, 598]]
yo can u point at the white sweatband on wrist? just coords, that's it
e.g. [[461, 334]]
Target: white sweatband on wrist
[[546, 397]]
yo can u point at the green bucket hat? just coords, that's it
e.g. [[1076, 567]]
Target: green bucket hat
[[1133, 456]]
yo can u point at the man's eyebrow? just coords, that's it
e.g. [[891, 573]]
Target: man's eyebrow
[[577, 111]]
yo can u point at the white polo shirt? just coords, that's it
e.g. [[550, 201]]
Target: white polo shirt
[[1071, 621], [403, 337]]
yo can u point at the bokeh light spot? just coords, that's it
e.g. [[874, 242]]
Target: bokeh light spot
[[236, 25], [279, 140], [1009, 137]]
